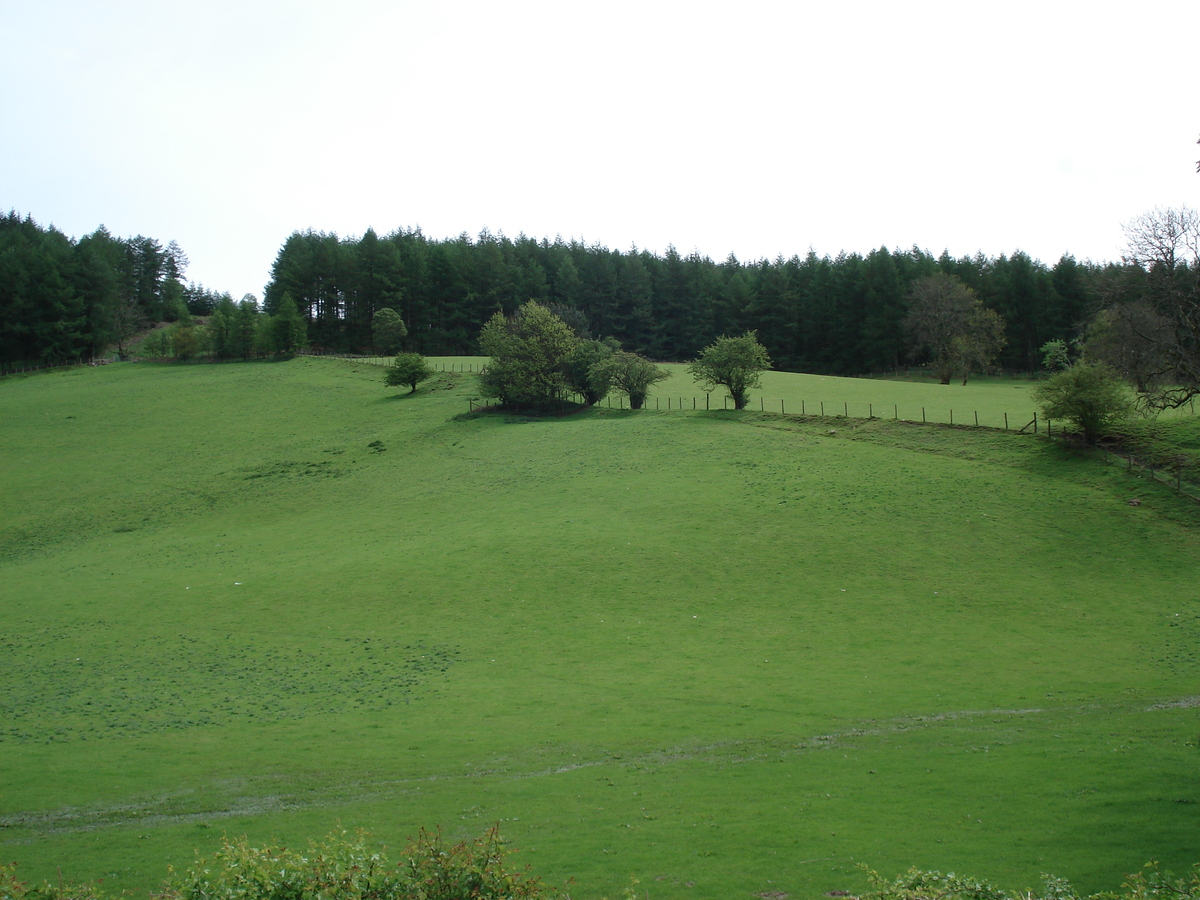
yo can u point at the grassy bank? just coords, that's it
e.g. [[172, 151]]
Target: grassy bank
[[731, 653]]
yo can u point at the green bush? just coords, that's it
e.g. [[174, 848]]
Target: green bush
[[915, 884], [343, 867], [1091, 395]]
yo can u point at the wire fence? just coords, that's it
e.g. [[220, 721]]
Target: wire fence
[[20, 368], [1170, 474], [804, 408]]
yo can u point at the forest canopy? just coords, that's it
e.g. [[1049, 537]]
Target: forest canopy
[[840, 315], [62, 298]]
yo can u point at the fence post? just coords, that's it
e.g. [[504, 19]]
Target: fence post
[[951, 417], [845, 410], [802, 412], [761, 404], [781, 412], [1006, 421], [822, 409], [922, 415], [976, 418], [870, 410], [1035, 423]]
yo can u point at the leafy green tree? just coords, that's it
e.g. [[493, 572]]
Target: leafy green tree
[[1091, 395], [734, 363], [528, 351], [388, 330], [584, 373], [220, 329], [290, 328], [631, 375], [264, 335], [156, 344], [1056, 356], [244, 328], [946, 320], [185, 339], [407, 368]]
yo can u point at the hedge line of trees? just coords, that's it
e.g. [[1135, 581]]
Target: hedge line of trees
[[63, 299], [840, 315]]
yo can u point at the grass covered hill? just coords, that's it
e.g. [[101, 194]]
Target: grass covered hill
[[730, 653]]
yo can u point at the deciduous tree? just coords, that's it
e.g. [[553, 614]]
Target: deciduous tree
[[946, 320], [584, 370], [388, 330], [1165, 329], [734, 363], [407, 368], [528, 353], [631, 375]]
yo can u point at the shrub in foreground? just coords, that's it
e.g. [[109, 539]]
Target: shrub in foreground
[[343, 867], [1090, 395], [915, 884]]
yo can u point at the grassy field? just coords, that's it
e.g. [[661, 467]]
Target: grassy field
[[730, 653]]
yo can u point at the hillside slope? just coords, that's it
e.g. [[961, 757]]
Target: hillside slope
[[731, 653]]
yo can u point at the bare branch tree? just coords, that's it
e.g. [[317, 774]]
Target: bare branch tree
[[1164, 331], [1164, 236]]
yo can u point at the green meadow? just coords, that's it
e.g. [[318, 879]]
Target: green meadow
[[731, 654]]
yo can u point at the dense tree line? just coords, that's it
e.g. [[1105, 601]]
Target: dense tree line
[[64, 299], [840, 315]]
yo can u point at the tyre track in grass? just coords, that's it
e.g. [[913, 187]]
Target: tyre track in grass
[[27, 827]]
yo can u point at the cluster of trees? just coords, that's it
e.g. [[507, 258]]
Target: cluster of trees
[[1144, 337], [538, 359], [232, 331], [64, 299], [841, 315]]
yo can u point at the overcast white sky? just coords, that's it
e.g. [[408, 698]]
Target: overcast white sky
[[753, 127]]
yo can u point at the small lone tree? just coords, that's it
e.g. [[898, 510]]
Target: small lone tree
[[734, 363], [1091, 395], [631, 375], [388, 330], [407, 368]]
